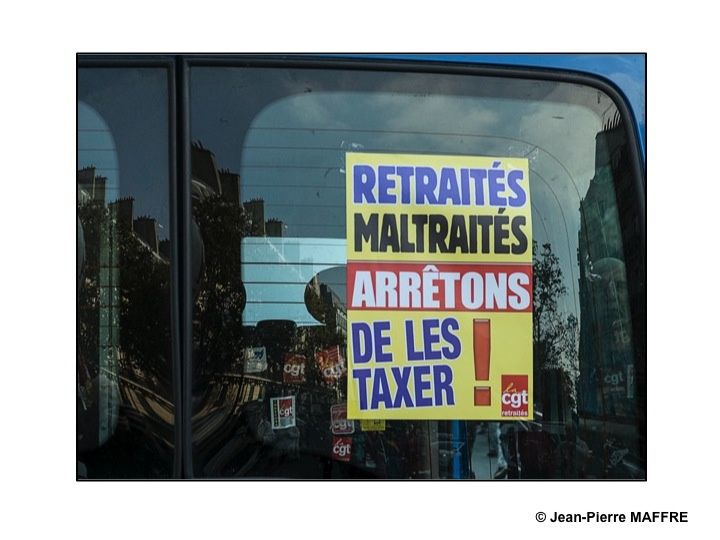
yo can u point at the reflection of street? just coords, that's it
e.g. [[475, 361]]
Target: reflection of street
[[149, 405], [483, 465], [230, 432], [233, 437]]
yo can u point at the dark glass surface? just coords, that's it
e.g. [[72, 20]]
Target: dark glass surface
[[125, 407], [268, 187]]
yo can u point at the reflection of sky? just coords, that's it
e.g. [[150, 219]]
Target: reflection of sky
[[123, 131], [292, 155], [626, 71], [96, 146]]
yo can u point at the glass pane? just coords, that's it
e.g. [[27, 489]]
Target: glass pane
[[270, 334], [125, 409]]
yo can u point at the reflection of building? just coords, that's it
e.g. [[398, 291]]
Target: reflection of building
[[91, 185], [607, 377], [255, 209], [209, 181], [146, 229], [337, 307], [230, 184], [205, 175], [122, 211], [274, 227], [165, 249], [100, 312]]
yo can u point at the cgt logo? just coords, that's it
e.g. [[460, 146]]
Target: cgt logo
[[339, 423], [285, 408], [515, 398], [282, 412], [341, 448], [333, 372], [294, 368]]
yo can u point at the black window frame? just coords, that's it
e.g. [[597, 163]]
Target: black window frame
[[169, 63]]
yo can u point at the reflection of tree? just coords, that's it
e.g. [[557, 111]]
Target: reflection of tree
[[144, 289], [123, 346], [555, 335], [144, 309], [218, 333], [91, 216]]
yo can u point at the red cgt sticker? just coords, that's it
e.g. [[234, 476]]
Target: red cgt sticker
[[341, 448], [515, 397]]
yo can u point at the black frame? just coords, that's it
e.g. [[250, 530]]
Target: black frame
[[175, 173], [179, 66]]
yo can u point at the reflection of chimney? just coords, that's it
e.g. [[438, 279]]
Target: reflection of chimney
[[92, 185], [256, 210], [122, 211], [165, 249], [85, 178], [230, 183], [99, 189], [147, 230], [273, 227], [609, 141], [204, 169]]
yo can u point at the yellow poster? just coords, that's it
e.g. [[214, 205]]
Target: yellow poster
[[439, 287]]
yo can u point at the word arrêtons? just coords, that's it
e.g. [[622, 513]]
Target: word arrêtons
[[461, 287]]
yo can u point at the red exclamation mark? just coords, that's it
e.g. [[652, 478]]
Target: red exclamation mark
[[481, 348]]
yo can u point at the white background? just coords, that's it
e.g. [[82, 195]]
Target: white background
[[37, 221]]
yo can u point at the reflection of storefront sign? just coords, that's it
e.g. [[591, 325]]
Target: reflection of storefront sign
[[341, 448], [619, 382], [255, 359], [331, 364], [294, 369], [621, 335], [282, 412], [372, 425], [339, 423], [614, 381], [439, 292]]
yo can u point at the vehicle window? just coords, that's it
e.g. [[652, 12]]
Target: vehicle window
[[272, 152], [125, 411]]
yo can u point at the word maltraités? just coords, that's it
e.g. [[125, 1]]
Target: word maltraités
[[419, 189]]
